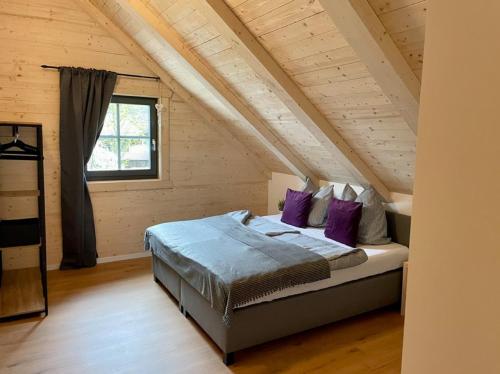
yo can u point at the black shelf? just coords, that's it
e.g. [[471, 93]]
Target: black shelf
[[11, 156], [19, 232], [27, 231]]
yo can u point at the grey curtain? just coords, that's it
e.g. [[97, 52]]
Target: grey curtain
[[85, 97]]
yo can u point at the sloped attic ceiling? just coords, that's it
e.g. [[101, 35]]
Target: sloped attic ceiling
[[302, 38], [405, 22]]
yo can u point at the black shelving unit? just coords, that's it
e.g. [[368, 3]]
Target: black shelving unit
[[16, 233]]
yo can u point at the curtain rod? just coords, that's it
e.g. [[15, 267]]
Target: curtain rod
[[121, 74]]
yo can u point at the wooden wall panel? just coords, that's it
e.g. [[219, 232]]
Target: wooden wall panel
[[208, 176]]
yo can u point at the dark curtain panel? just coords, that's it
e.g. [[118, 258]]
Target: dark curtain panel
[[85, 97]]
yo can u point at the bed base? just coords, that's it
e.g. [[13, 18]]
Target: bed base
[[260, 323]]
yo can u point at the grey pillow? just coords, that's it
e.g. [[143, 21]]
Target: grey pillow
[[319, 207], [349, 194], [373, 224], [309, 187]]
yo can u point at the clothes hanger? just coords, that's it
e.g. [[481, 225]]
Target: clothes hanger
[[17, 143]]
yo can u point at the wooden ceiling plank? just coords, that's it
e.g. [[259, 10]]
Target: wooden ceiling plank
[[216, 85], [223, 18], [224, 129], [365, 33]]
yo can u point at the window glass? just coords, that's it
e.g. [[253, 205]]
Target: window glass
[[126, 148]]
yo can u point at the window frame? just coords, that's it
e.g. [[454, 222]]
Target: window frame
[[118, 175]]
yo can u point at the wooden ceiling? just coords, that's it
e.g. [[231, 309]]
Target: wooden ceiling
[[405, 22], [320, 110]]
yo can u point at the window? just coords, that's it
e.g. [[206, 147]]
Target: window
[[126, 148]]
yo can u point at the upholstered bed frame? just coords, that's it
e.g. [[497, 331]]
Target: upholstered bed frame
[[259, 323]]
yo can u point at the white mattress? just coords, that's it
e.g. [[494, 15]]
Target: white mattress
[[381, 258]]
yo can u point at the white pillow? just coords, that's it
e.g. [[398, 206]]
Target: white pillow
[[348, 194], [319, 207], [373, 225], [309, 186]]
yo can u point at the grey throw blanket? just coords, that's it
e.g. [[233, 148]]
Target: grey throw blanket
[[339, 257], [230, 263]]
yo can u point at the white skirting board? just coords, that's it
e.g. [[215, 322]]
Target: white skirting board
[[103, 260]]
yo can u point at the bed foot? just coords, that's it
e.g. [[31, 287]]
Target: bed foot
[[228, 358], [157, 280]]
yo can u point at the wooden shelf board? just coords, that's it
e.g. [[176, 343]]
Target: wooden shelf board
[[21, 292], [20, 247], [20, 193]]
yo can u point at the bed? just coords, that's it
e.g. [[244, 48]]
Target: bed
[[371, 285]]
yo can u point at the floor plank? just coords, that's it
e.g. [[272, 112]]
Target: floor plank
[[114, 318]]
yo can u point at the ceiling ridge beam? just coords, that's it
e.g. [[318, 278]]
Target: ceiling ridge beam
[[217, 86], [247, 45], [223, 128], [361, 27]]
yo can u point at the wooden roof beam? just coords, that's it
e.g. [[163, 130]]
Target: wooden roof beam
[[233, 29], [216, 85], [138, 52], [365, 33]]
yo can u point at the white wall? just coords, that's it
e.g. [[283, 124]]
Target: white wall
[[453, 301], [280, 182]]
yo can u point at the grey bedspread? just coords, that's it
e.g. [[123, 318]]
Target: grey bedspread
[[234, 258]]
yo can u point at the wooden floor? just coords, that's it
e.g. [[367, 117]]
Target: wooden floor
[[115, 319], [21, 292]]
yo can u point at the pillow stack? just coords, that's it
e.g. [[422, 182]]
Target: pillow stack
[[372, 225], [293, 211], [350, 220]]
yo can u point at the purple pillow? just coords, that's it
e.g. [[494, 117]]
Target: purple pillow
[[297, 206], [343, 221]]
